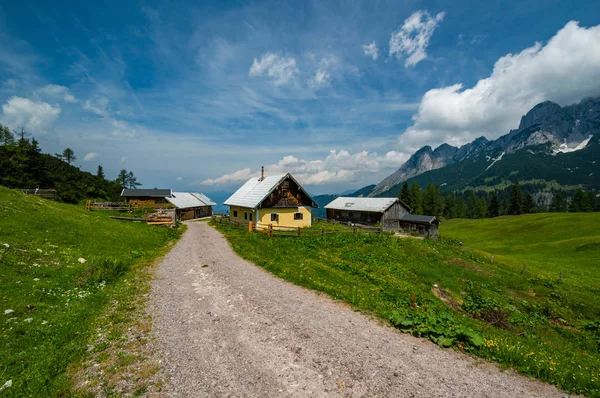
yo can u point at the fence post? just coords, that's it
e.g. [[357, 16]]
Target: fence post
[[270, 230], [299, 231], [524, 269], [492, 258], [322, 231]]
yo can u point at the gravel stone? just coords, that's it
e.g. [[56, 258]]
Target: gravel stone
[[275, 339]]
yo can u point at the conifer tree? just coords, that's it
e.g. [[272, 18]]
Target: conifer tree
[[516, 200], [494, 207], [416, 199], [404, 193], [100, 172]]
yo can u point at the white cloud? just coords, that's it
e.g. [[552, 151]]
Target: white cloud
[[327, 68], [56, 91], [99, 106], [280, 69], [125, 130], [179, 179], [90, 156], [34, 116], [338, 166], [565, 70], [371, 50], [11, 83], [412, 39]]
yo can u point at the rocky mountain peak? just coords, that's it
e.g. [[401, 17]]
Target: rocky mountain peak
[[539, 113]]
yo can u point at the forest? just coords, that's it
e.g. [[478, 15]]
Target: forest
[[24, 166]]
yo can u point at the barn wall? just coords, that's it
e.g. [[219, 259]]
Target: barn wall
[[355, 217], [394, 213], [286, 216]]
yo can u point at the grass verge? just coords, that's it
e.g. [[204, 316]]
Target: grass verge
[[454, 297], [60, 269]]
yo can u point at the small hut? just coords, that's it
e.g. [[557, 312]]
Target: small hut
[[189, 206], [146, 196], [385, 212], [420, 225]]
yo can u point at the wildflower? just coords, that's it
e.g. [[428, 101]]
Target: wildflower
[[81, 260], [40, 250], [44, 322], [6, 312], [28, 320], [6, 245], [36, 279]]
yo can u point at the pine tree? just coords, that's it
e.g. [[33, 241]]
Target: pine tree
[[472, 205], [516, 200], [450, 206], [460, 209], [416, 199], [6, 136], [432, 201], [494, 207], [100, 172], [590, 202], [122, 178], [528, 204], [481, 208], [132, 181], [404, 193], [504, 209], [558, 203], [68, 156], [577, 204]]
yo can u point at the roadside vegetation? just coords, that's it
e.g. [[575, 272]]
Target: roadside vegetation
[[65, 276], [457, 296]]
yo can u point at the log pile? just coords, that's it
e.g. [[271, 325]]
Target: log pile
[[161, 218]]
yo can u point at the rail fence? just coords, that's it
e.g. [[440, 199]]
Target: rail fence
[[92, 205], [297, 232]]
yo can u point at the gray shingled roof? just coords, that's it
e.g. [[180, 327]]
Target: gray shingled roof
[[154, 193], [186, 200], [419, 219], [376, 205]]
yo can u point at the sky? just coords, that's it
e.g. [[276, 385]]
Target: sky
[[197, 96]]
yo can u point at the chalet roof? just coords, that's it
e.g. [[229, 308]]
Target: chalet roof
[[254, 191], [185, 200], [154, 193], [376, 205], [419, 219]]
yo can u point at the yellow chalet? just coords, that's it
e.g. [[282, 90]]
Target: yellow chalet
[[278, 200]]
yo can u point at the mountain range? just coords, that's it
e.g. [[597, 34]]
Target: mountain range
[[554, 146]]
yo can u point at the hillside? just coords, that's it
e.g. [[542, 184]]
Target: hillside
[[559, 146], [548, 243], [60, 267]]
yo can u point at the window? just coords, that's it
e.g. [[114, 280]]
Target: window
[[245, 215], [274, 217], [235, 213], [250, 216], [298, 216]]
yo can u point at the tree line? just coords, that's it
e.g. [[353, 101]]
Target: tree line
[[24, 166], [471, 204]]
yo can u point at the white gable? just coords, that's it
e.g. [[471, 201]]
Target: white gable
[[254, 191]]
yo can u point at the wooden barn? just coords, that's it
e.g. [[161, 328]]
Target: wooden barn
[[278, 200], [385, 212], [146, 196], [421, 225], [189, 206]]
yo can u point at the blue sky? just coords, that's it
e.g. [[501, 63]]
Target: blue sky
[[199, 95]]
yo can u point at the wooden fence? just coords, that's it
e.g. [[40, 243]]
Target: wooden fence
[[44, 193], [92, 205], [296, 232]]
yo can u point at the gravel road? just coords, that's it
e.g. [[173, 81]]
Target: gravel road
[[227, 328]]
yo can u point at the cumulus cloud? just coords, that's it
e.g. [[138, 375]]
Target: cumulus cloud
[[99, 106], [338, 166], [89, 156], [124, 130], [565, 70], [179, 179], [371, 50], [281, 69], [56, 91], [412, 39], [34, 116]]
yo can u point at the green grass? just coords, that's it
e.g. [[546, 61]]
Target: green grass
[[525, 321], [55, 297]]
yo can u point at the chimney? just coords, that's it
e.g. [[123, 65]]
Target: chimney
[[262, 173]]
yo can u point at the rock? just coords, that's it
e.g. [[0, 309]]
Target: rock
[[6, 385]]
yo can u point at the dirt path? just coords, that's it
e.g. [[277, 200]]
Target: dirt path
[[228, 328]]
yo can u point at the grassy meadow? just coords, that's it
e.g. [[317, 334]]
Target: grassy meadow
[[59, 268], [456, 297]]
